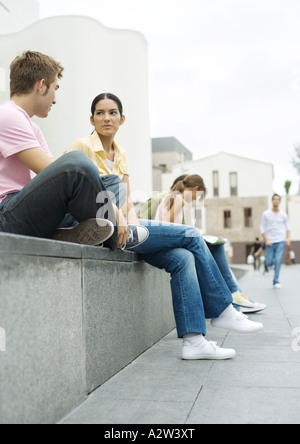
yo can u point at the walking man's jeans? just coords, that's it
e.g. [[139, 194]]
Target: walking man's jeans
[[274, 257], [198, 288], [69, 185]]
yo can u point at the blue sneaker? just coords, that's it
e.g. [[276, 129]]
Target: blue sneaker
[[137, 236]]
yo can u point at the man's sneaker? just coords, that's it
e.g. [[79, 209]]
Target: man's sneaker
[[205, 350], [137, 236], [90, 232], [233, 320], [277, 286]]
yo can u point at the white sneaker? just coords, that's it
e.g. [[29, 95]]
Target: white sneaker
[[233, 320], [205, 351], [277, 286]]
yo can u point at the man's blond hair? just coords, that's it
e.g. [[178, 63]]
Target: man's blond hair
[[31, 67]]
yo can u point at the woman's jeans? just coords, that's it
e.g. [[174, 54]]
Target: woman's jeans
[[274, 256], [198, 288], [69, 185]]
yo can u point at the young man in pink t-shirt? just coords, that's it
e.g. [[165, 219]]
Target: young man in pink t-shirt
[[37, 192]]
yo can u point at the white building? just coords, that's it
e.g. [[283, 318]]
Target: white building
[[227, 175], [96, 60]]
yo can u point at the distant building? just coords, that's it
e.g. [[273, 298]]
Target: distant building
[[167, 154], [293, 209]]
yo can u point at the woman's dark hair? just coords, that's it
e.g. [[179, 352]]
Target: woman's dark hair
[[107, 96]]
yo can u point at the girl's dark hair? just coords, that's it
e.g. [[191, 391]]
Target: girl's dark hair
[[107, 96], [191, 181]]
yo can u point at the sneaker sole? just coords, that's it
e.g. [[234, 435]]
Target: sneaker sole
[[253, 310], [208, 357], [245, 332], [86, 233]]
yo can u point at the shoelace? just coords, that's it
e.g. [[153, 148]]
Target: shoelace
[[242, 316], [131, 238]]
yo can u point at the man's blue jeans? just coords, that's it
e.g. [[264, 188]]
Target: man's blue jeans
[[69, 185], [274, 257], [198, 288]]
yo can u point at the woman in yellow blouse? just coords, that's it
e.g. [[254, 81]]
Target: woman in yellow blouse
[[111, 160]]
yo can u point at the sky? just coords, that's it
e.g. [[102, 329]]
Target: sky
[[224, 75]]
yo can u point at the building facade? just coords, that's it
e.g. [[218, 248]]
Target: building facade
[[167, 153]]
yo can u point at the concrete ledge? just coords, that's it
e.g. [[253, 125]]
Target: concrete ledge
[[73, 316]]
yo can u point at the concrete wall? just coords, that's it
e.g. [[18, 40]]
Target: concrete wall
[[97, 59], [73, 317]]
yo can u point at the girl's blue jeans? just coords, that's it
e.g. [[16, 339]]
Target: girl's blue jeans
[[199, 290]]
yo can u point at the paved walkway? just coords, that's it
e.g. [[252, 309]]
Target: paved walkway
[[261, 385]]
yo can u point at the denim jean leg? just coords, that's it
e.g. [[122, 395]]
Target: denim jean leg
[[216, 296], [69, 185], [279, 254], [187, 299], [114, 185], [219, 255], [270, 256]]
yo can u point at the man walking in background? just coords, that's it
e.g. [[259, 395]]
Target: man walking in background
[[276, 232]]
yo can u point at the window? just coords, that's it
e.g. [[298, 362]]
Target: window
[[248, 217], [227, 219], [233, 184], [216, 183]]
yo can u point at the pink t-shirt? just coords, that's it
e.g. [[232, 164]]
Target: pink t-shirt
[[17, 133]]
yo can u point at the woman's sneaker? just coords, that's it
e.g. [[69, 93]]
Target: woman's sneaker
[[90, 232], [233, 320], [205, 350], [137, 236], [247, 305]]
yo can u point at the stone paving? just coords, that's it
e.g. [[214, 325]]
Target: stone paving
[[260, 386]]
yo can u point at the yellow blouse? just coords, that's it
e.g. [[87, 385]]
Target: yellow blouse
[[93, 148]]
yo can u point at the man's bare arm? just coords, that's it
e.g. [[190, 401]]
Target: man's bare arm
[[35, 159]]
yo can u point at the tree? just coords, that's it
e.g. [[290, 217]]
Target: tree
[[287, 187]]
